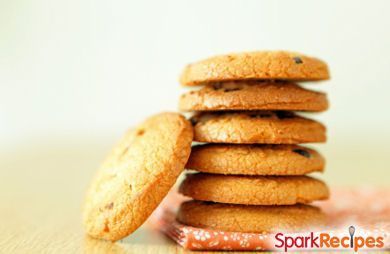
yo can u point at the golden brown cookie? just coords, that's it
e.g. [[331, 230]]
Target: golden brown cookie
[[254, 190], [136, 176], [253, 95], [255, 159], [261, 127], [260, 65], [250, 219]]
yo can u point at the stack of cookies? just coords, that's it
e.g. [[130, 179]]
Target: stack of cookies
[[252, 172]]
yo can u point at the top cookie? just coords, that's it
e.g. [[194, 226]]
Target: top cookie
[[136, 176], [260, 65]]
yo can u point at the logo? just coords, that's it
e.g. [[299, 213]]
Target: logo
[[328, 241]]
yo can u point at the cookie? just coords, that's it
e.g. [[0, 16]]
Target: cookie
[[253, 190], [255, 159], [136, 176], [260, 65], [250, 219], [253, 95], [259, 127]]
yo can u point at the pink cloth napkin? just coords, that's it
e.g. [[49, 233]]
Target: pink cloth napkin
[[366, 208]]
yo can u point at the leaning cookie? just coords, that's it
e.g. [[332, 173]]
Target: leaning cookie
[[253, 95], [250, 219], [255, 159], [136, 176], [260, 65], [254, 190], [260, 127]]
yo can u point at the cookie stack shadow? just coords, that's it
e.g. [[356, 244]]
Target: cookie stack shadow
[[252, 172]]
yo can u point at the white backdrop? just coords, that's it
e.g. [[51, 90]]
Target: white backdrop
[[94, 68]]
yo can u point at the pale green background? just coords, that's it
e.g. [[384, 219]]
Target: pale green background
[[75, 74]]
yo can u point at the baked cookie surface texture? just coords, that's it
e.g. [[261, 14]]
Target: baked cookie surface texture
[[253, 95], [250, 219], [258, 65], [239, 159], [254, 190], [136, 176], [258, 127]]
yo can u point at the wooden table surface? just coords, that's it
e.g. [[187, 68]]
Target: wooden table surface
[[42, 187]]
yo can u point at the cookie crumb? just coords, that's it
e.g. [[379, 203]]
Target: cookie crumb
[[217, 86], [298, 60], [193, 121], [302, 152], [231, 89], [140, 132], [284, 114], [260, 115], [106, 228], [109, 206]]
